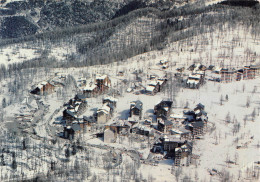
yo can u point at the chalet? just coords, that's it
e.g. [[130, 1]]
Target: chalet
[[196, 128], [177, 117], [239, 74], [182, 156], [195, 80], [136, 109], [162, 83], [90, 121], [151, 90], [228, 75], [70, 131], [121, 127], [104, 113], [217, 69], [43, 88], [163, 108], [153, 77], [103, 82], [199, 107], [170, 142], [256, 68], [110, 100], [110, 135], [249, 72], [90, 90], [68, 115], [164, 64], [182, 132], [142, 130], [80, 98]]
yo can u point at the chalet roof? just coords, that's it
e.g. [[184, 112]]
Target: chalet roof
[[180, 130], [70, 113], [195, 76], [168, 123], [200, 106], [105, 108], [40, 85], [161, 82], [178, 116], [137, 104], [153, 83], [109, 130], [189, 81], [89, 119], [89, 87], [173, 138], [101, 77], [111, 99], [150, 88], [142, 127], [121, 123], [197, 124], [80, 97], [165, 104], [76, 127]]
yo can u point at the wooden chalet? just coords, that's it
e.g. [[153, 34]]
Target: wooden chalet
[[71, 131], [110, 135], [43, 88], [103, 82], [182, 156], [110, 100], [182, 132], [104, 113], [249, 72], [90, 90], [228, 75], [136, 109], [196, 128], [69, 116], [163, 108]]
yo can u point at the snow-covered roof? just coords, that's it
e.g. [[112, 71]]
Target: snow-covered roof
[[194, 76], [160, 82], [153, 83], [177, 116], [112, 99], [192, 81], [150, 88], [89, 87], [101, 77], [105, 109]]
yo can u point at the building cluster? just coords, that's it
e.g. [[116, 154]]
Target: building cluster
[[197, 76], [155, 85], [106, 111], [73, 123], [48, 87], [229, 75], [178, 130], [96, 87]]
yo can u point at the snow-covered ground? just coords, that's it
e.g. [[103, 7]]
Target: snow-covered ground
[[231, 47]]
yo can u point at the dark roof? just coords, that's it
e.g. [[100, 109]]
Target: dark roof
[[200, 106], [162, 116], [89, 119], [168, 123], [197, 124], [80, 97], [76, 127], [137, 104], [70, 113]]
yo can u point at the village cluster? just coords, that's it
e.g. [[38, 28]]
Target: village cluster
[[172, 130]]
